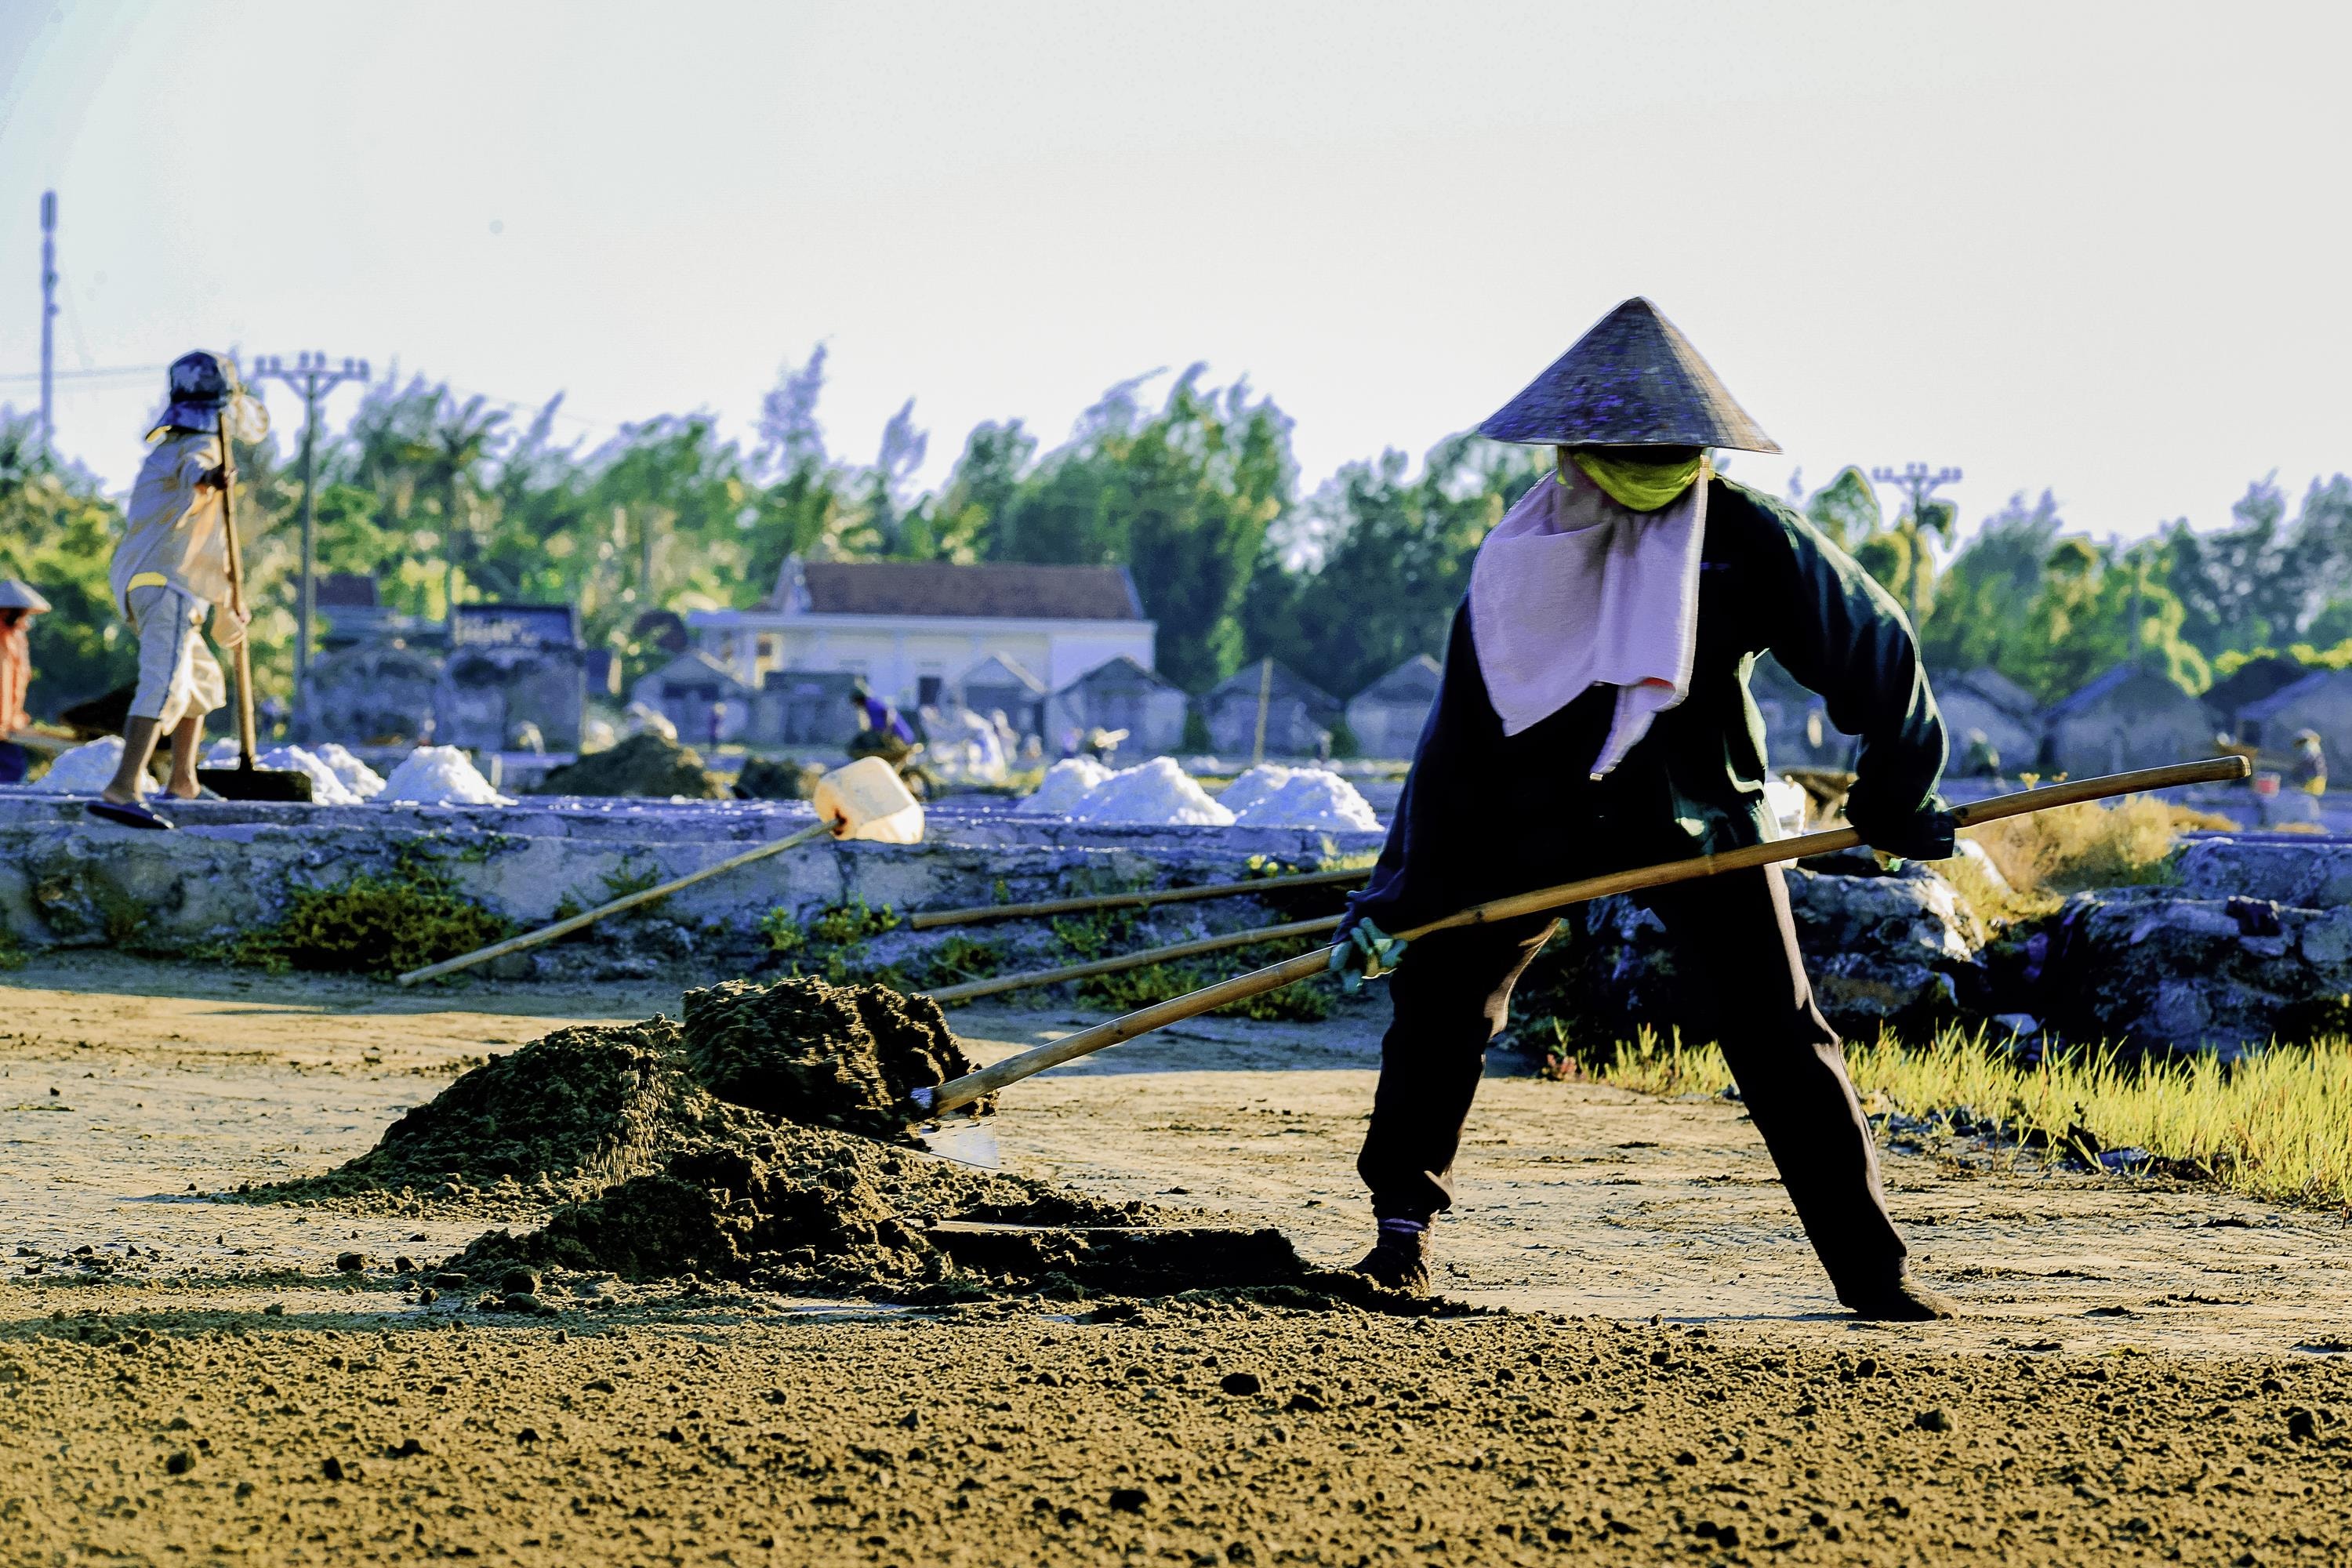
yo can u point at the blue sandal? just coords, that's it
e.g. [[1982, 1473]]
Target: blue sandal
[[131, 815]]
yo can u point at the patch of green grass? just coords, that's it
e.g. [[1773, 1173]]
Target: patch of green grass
[[2274, 1125], [371, 923], [830, 945], [618, 884]]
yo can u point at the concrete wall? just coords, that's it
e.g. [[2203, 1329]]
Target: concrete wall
[[67, 881]]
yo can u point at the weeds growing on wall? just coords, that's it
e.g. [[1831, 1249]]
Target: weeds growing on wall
[[372, 923], [2274, 1125], [830, 945]]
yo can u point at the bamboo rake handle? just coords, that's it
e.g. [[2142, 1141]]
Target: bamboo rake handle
[[1133, 901], [959, 1092], [245, 741], [629, 901], [1193, 949]]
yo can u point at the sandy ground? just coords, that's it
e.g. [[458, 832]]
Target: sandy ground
[[2146, 1370]]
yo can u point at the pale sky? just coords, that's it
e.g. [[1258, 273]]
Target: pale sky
[[2101, 248]]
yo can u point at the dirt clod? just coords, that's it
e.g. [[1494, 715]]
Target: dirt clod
[[644, 764], [824, 1056]]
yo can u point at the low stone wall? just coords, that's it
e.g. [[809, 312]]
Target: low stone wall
[[2252, 941], [66, 880]]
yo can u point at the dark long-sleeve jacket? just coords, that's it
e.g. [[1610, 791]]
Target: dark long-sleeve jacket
[[1485, 816]]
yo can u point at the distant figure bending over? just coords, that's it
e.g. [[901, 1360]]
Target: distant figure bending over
[[1595, 717], [170, 573]]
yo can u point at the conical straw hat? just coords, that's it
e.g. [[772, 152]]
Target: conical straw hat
[[1632, 380]]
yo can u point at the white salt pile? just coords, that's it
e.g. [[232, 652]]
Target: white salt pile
[[1310, 797], [358, 778], [1157, 794], [83, 770], [1065, 784], [1258, 784], [440, 775], [326, 787]]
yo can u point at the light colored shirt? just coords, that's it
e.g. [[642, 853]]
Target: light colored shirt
[[1572, 591], [175, 536]]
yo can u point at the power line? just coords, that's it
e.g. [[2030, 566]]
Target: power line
[[48, 319], [313, 378]]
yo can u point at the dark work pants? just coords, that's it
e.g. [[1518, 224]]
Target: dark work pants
[[1740, 982]]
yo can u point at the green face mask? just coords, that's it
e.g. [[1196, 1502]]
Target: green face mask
[[1643, 486]]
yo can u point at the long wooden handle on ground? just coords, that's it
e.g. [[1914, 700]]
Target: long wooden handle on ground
[[1193, 949], [627, 901], [1140, 898], [957, 1093]]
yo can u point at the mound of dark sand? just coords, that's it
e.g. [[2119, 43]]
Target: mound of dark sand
[[644, 764], [573, 1111], [824, 1056], [765, 778], [757, 1143], [789, 1207]]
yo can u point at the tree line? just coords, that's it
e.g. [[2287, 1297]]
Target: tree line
[[1192, 486]]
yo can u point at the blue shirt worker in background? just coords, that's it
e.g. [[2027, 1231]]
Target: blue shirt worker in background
[[170, 573], [1595, 717]]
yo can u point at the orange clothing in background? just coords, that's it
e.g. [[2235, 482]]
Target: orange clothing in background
[[15, 671]]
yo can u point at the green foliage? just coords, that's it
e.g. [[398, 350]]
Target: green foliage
[[830, 945], [1846, 508], [57, 532], [1370, 571], [371, 924], [964, 958], [440, 496]]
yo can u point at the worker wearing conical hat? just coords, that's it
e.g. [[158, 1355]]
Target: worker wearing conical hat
[[1594, 716]]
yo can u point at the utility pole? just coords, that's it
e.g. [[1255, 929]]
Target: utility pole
[[313, 378], [1922, 483], [49, 322]]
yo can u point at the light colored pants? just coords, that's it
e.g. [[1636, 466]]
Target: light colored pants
[[178, 676]]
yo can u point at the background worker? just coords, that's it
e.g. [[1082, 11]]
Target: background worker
[[19, 603], [168, 574], [1595, 717]]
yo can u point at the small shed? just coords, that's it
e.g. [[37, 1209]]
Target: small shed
[[372, 694], [513, 670], [2133, 716], [1299, 716], [1386, 716], [1120, 694], [2247, 685], [1797, 728], [701, 697], [2321, 701], [1987, 702], [1000, 684], [805, 708]]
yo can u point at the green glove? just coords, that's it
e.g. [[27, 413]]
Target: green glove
[[1366, 952]]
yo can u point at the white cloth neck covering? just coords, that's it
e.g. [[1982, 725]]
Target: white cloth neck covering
[[1572, 591]]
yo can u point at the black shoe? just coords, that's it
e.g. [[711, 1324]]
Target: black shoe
[[1904, 1301], [1397, 1261]]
